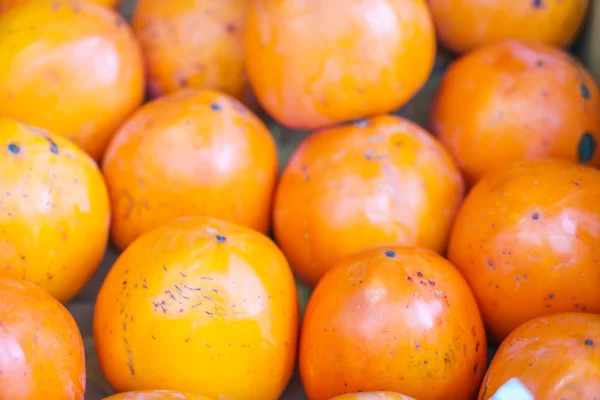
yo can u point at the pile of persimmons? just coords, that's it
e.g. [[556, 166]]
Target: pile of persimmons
[[424, 245]]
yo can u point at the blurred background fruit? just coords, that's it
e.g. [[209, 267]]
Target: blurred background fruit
[[156, 395], [216, 300], [382, 180], [54, 210], [194, 152], [555, 357], [41, 351], [6, 4], [516, 100], [193, 43], [392, 318], [527, 239], [71, 67], [313, 64], [463, 25]]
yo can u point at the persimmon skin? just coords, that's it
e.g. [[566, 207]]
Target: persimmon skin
[[41, 347], [156, 395], [6, 4], [526, 239], [54, 210], [464, 25], [193, 43], [71, 67], [314, 64], [194, 152], [373, 396], [382, 180], [555, 356], [392, 318], [214, 298], [516, 100]]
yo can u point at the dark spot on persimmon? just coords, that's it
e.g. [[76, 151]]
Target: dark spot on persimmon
[[551, 296], [390, 254], [539, 63], [13, 148], [53, 146], [221, 238], [585, 92], [586, 147], [535, 215], [477, 347], [230, 28], [409, 278], [361, 123], [431, 283], [537, 3], [420, 275], [215, 106], [589, 342], [475, 368]]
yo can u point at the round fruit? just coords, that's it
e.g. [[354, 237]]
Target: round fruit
[[156, 395], [373, 396], [554, 357], [392, 318], [527, 239], [190, 153], [6, 4], [216, 299], [316, 63], [41, 350], [54, 210], [378, 181], [463, 25], [71, 67], [516, 100], [193, 43]]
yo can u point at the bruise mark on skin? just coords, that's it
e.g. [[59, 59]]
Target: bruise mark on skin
[[586, 147], [585, 92]]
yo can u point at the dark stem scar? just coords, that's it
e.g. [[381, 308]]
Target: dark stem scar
[[13, 148], [586, 147], [221, 238], [585, 92], [215, 106], [390, 254], [53, 146]]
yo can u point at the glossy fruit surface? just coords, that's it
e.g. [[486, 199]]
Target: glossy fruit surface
[[6, 4], [555, 357], [372, 396], [193, 43], [71, 67], [464, 25], [41, 350], [54, 210], [313, 64], [527, 239], [516, 100], [190, 153], [216, 299], [156, 395], [392, 318], [382, 180]]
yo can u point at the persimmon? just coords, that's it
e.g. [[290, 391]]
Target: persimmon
[[372, 396], [156, 395], [71, 67], [215, 299], [383, 180], [464, 25], [41, 349], [54, 210], [527, 241], [555, 357], [6, 4], [314, 64], [193, 43], [516, 100], [194, 152], [398, 319]]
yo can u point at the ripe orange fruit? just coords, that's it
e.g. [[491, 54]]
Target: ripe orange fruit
[[316, 63], [373, 396], [392, 318], [54, 210], [71, 67], [156, 395], [6, 4], [516, 100], [555, 357], [193, 43], [527, 239], [464, 25], [41, 350], [190, 153], [378, 181], [216, 299]]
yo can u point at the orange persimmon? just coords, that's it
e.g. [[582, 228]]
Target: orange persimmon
[[372, 396], [527, 239], [6, 4], [156, 395], [392, 318]]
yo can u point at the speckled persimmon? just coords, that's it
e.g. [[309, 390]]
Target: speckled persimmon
[[463, 25], [315, 63], [215, 299], [6, 4], [193, 43], [527, 239], [392, 318], [555, 357], [372, 396], [41, 350], [194, 152], [71, 67], [54, 210], [382, 180], [156, 395], [516, 100]]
